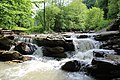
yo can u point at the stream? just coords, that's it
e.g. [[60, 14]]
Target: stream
[[48, 68]]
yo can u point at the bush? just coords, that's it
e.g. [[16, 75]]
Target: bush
[[36, 29]]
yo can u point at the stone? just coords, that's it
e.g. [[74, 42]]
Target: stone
[[68, 46], [72, 66], [24, 48], [105, 68], [5, 43], [114, 25], [102, 53], [10, 55], [27, 58], [54, 52], [104, 36], [110, 39], [10, 37], [82, 36]]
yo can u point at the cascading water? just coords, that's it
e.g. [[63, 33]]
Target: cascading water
[[83, 45], [47, 68]]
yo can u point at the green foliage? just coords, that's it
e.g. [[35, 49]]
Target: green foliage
[[102, 4], [36, 29], [113, 9], [60, 15], [89, 3], [74, 15], [94, 18], [19, 28], [15, 13], [118, 8]]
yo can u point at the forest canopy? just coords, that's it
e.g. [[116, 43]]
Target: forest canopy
[[58, 15]]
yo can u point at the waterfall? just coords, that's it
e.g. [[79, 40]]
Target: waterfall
[[38, 53], [83, 45], [23, 39]]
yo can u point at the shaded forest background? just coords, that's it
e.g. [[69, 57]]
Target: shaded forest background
[[58, 15]]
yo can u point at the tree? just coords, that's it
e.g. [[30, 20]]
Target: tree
[[70, 16], [94, 18], [102, 4], [15, 13], [113, 9], [89, 3], [74, 15], [118, 8]]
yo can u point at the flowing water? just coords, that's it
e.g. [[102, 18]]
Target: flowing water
[[47, 68]]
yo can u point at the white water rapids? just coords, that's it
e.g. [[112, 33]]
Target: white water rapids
[[47, 68]]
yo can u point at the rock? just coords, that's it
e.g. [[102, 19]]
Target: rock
[[10, 37], [68, 46], [72, 66], [102, 53], [24, 48], [82, 36], [111, 40], [27, 58], [104, 36], [114, 25], [54, 52], [9, 56], [1, 33], [105, 68], [5, 43]]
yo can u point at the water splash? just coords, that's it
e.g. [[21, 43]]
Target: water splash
[[44, 68], [85, 44]]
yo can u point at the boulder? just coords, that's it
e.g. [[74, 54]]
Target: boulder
[[1, 33], [6, 43], [82, 36], [10, 37], [105, 68], [102, 53], [72, 66], [24, 48], [104, 36], [54, 52], [110, 39], [68, 46], [9, 56]]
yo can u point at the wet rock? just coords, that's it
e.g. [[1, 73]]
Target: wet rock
[[102, 53], [105, 68], [9, 56], [10, 37], [25, 48], [98, 54], [27, 58], [72, 66], [68, 46], [104, 36], [54, 52], [5, 43], [82, 36], [1, 33], [111, 40]]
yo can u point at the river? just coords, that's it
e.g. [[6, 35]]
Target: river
[[47, 68]]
